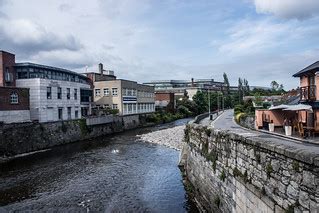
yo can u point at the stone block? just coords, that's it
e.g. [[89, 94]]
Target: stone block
[[304, 199]]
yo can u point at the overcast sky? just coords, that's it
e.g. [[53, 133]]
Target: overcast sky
[[143, 40]]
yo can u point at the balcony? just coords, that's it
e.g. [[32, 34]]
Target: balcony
[[308, 93]]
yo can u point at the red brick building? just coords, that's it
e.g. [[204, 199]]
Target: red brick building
[[7, 71], [165, 101], [14, 102], [14, 98]]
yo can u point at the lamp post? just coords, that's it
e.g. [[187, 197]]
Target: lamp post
[[208, 92]]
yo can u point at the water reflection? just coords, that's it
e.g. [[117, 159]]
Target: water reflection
[[115, 173]]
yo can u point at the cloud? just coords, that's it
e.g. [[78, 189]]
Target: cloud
[[64, 58], [251, 37], [288, 9], [65, 7], [29, 37]]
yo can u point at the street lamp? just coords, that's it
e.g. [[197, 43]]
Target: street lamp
[[208, 92]]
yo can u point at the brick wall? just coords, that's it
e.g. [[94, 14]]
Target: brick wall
[[23, 97], [166, 97], [7, 60]]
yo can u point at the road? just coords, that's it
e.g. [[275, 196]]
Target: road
[[226, 122]]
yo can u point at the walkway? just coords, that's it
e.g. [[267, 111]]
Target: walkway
[[225, 122]]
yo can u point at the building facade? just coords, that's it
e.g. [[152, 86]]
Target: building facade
[[165, 101], [128, 97], [14, 105], [14, 102], [55, 93], [180, 87]]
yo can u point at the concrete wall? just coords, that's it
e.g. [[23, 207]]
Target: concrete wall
[[228, 172], [15, 116], [27, 137]]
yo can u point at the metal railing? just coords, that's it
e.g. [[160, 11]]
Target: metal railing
[[308, 93]]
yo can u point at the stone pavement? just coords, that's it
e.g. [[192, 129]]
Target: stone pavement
[[226, 122]]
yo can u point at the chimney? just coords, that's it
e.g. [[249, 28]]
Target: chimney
[[101, 68], [192, 82]]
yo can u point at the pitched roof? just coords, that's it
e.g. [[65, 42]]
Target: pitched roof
[[312, 67]]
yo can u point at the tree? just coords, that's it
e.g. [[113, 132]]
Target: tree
[[200, 101], [246, 87], [240, 90], [274, 86], [226, 82]]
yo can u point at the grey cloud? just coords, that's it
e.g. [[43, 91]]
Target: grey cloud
[[288, 9], [28, 38], [65, 7]]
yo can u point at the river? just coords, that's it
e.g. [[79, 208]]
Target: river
[[115, 173]]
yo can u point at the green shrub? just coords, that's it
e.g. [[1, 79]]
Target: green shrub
[[295, 166], [217, 201], [269, 169], [223, 175]]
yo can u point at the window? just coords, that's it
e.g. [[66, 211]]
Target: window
[[97, 92], [60, 113], [115, 106], [75, 94], [59, 93], [76, 113], [114, 91], [68, 93], [14, 99], [8, 75], [106, 91], [69, 113], [49, 93]]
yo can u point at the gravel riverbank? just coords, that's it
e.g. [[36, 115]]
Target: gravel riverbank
[[172, 137]]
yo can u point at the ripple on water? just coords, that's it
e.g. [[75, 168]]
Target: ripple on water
[[111, 174]]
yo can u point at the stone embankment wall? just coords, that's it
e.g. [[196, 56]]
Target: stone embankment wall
[[236, 173], [247, 121], [28, 137]]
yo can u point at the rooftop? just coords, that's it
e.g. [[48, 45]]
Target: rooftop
[[311, 68], [28, 64]]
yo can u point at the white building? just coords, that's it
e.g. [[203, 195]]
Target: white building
[[55, 94]]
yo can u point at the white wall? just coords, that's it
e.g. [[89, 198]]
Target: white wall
[[15, 116], [39, 104]]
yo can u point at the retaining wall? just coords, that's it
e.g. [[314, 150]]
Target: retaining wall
[[229, 172], [28, 137]]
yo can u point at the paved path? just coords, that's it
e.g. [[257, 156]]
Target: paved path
[[225, 122]]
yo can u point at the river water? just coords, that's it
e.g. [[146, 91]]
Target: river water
[[116, 173]]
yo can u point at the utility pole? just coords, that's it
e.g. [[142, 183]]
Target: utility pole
[[217, 103], [223, 103], [208, 92]]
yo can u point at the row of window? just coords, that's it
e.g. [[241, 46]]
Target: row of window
[[126, 92], [138, 108], [59, 93], [106, 92], [25, 73], [69, 113], [143, 94]]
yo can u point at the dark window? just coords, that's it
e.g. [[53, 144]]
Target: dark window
[[69, 113], [68, 93], [60, 113], [49, 93], [75, 94], [76, 113], [59, 93]]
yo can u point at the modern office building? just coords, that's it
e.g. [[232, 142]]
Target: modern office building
[[14, 102], [55, 93], [128, 97], [179, 87]]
